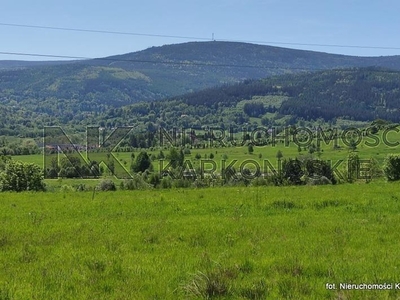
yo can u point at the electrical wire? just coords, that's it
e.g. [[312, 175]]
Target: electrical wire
[[73, 59], [104, 31], [181, 63], [194, 38]]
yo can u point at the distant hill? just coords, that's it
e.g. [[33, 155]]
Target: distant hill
[[355, 94], [22, 64], [42, 93], [160, 72]]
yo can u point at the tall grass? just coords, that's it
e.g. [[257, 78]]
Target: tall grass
[[225, 243]]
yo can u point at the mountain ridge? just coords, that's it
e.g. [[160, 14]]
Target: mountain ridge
[[192, 50], [350, 95], [70, 92]]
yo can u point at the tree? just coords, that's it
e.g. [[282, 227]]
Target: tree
[[279, 155], [292, 171], [19, 176], [3, 161], [254, 109], [316, 167], [374, 169], [250, 149], [155, 179], [141, 163], [70, 167], [391, 167], [161, 155], [176, 158], [312, 148], [353, 167], [352, 145]]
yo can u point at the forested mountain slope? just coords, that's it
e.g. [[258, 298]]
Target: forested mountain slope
[[354, 94], [33, 95]]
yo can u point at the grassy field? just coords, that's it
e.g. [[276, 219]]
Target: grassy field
[[227, 243], [264, 153]]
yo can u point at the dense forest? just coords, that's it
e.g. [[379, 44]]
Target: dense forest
[[353, 94], [75, 93]]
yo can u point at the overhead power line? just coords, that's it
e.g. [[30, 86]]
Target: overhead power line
[[44, 55], [105, 31], [195, 38], [316, 45], [180, 63]]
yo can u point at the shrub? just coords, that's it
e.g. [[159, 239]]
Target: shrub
[[318, 170], [155, 179], [81, 187], [161, 155], [201, 183], [67, 188], [106, 185], [176, 158], [3, 161], [317, 180], [136, 183], [19, 176], [353, 167], [141, 163], [181, 183], [166, 183], [391, 167], [259, 181], [250, 149], [374, 168], [292, 171]]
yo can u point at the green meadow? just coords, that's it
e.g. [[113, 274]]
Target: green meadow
[[382, 144], [289, 242], [222, 243]]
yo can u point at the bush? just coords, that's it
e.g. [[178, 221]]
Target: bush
[[3, 161], [19, 176], [67, 188], [141, 163], [250, 149], [106, 185], [374, 169], [136, 183], [201, 183], [259, 181], [292, 171], [155, 179], [81, 187], [391, 167], [166, 183], [181, 183], [317, 170], [317, 180]]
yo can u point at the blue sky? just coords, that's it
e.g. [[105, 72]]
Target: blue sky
[[339, 22]]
